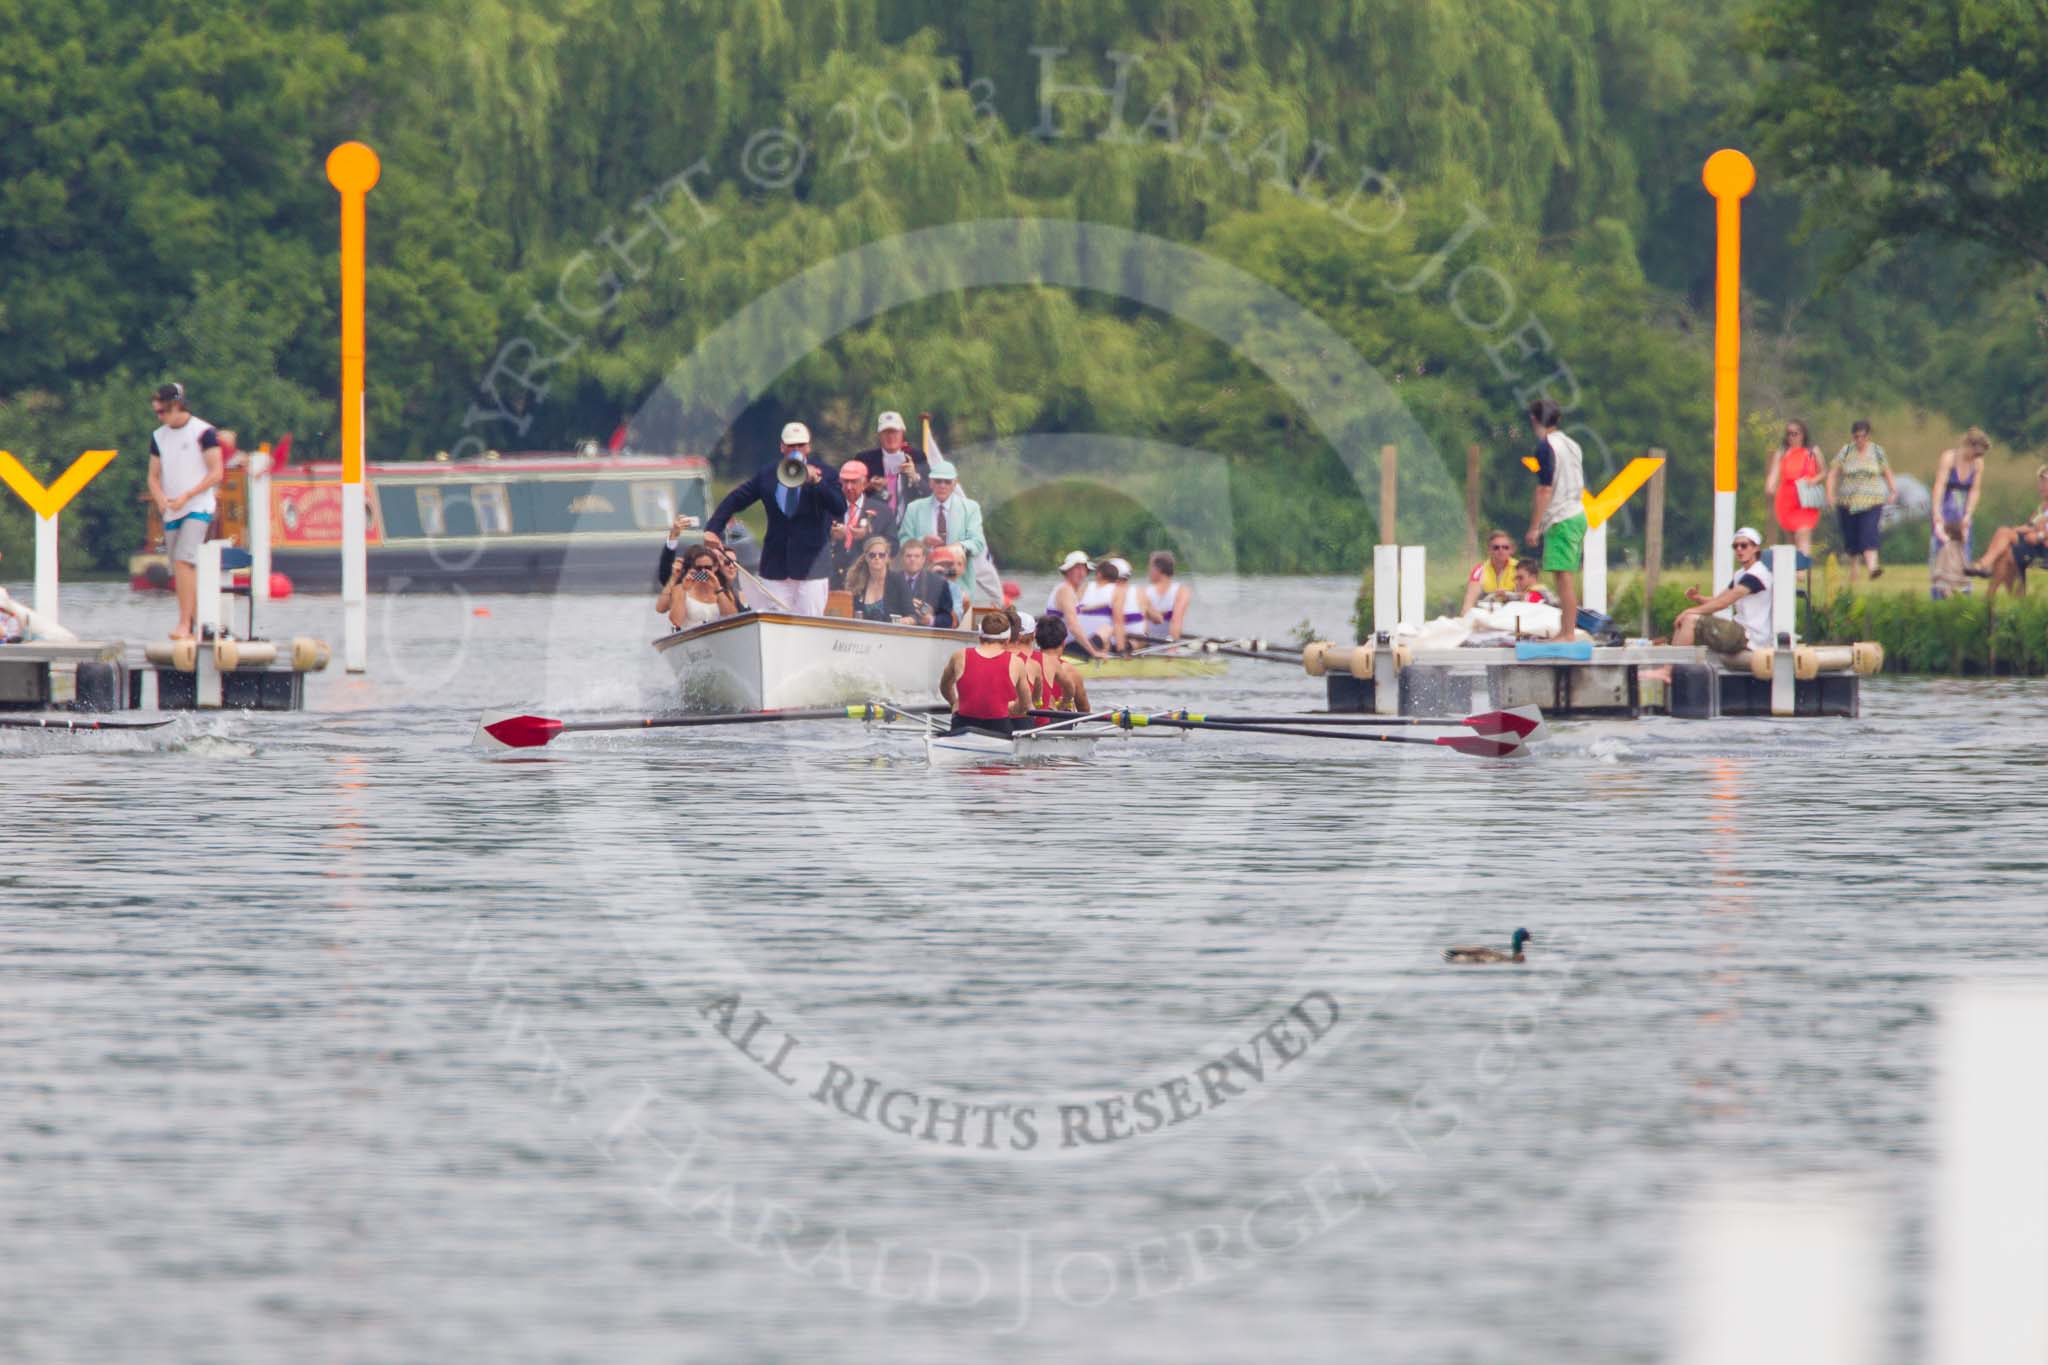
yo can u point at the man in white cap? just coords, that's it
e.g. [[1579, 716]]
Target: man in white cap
[[1749, 595], [1065, 600], [796, 553], [895, 471], [948, 519]]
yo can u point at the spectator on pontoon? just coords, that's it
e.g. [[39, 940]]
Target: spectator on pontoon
[[1493, 576], [699, 588], [1749, 595], [879, 592], [1529, 583]]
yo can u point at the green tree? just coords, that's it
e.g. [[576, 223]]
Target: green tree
[[1913, 116]]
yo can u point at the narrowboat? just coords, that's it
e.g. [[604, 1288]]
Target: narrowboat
[[531, 522]]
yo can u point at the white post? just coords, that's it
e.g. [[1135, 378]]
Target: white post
[[355, 577], [1784, 591], [1784, 673], [46, 569], [208, 606], [1724, 539], [1386, 588], [1991, 1178], [1595, 594], [1413, 581], [259, 528], [1781, 1273]]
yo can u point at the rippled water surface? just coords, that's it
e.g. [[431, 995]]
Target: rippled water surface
[[325, 1038]]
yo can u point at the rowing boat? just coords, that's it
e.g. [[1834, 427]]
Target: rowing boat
[[1134, 666], [772, 661], [969, 747]]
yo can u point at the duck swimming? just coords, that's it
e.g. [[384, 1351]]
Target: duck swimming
[[1470, 954]]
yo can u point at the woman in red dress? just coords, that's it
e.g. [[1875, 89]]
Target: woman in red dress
[[1795, 461]]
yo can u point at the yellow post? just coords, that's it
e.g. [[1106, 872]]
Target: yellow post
[[352, 168], [1728, 176]]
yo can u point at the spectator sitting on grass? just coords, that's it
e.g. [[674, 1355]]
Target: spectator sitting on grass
[[2014, 549]]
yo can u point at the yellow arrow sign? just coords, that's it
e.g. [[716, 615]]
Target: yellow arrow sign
[[47, 502], [1604, 504]]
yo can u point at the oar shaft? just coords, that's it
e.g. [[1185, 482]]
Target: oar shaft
[[1279, 730], [20, 723], [873, 711]]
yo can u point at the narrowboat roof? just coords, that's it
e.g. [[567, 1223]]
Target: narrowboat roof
[[521, 462]]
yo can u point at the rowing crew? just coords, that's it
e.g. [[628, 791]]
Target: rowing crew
[[1017, 668], [1111, 614]]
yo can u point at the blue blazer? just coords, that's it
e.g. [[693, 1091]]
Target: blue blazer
[[797, 545]]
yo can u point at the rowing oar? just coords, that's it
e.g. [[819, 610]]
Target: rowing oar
[[17, 723], [1237, 649], [509, 730], [1522, 723], [1479, 746]]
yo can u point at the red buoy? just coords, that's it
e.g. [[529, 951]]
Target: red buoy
[[280, 586]]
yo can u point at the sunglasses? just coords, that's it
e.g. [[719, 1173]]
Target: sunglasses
[[882, 555], [1500, 547]]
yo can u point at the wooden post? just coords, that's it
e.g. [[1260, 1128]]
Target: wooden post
[[1472, 503], [1389, 466], [1653, 539]]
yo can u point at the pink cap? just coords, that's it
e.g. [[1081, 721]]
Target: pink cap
[[852, 469]]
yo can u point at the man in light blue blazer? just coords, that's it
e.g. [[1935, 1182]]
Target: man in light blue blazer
[[948, 519]]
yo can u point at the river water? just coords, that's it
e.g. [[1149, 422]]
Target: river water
[[326, 1038]]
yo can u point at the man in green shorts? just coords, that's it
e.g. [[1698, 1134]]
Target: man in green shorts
[[1557, 514]]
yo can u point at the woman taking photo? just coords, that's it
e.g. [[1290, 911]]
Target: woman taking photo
[[1796, 463], [1860, 483], [880, 593], [699, 589]]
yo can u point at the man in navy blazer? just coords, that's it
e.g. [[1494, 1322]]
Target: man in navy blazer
[[796, 556]]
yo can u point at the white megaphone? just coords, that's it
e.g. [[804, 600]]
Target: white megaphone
[[792, 470]]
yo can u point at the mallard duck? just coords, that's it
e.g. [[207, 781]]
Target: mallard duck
[[1469, 954]]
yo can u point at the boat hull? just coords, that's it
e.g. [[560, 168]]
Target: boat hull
[[971, 747], [767, 661]]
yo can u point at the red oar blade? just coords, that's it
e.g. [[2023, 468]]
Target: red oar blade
[[1480, 746], [1523, 723], [502, 731]]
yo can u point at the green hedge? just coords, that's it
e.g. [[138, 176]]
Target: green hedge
[[1959, 636]]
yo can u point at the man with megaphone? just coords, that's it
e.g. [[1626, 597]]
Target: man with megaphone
[[802, 504]]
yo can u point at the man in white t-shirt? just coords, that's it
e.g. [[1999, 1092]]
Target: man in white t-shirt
[[184, 468], [1557, 512], [1749, 595]]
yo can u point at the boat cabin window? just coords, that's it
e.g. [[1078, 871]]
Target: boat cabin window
[[654, 505], [433, 518], [493, 509]]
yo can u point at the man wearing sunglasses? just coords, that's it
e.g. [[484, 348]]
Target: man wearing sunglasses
[[1749, 595], [1493, 575]]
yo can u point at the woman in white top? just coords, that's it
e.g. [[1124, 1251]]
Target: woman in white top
[[698, 590], [1165, 601]]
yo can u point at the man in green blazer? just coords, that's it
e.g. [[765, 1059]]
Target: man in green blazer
[[948, 519]]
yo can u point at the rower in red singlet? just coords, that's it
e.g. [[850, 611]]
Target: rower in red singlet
[[985, 684], [1063, 687]]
